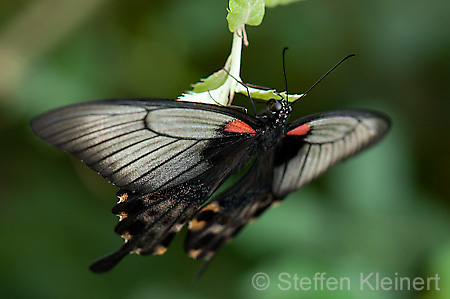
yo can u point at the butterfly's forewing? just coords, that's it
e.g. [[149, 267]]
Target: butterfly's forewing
[[142, 146], [167, 157], [315, 143]]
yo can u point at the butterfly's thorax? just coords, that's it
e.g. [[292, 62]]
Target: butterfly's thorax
[[275, 118]]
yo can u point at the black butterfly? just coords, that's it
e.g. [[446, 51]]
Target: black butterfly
[[168, 157]]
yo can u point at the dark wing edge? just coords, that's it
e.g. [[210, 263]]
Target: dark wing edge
[[315, 143]]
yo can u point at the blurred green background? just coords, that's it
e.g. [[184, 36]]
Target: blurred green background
[[385, 211]]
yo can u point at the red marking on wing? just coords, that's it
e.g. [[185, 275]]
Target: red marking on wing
[[238, 126], [302, 130]]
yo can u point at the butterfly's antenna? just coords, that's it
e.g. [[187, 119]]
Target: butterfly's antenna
[[284, 73], [246, 87], [326, 74]]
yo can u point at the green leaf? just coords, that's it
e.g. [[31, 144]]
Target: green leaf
[[212, 82], [213, 90], [245, 12], [273, 3]]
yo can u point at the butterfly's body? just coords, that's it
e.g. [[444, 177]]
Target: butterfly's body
[[169, 157], [274, 124]]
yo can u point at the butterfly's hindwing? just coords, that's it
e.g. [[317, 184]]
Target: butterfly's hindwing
[[218, 222], [148, 222]]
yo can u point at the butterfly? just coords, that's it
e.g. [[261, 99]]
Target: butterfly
[[168, 158]]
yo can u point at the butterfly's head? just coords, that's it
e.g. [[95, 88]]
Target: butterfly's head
[[278, 110]]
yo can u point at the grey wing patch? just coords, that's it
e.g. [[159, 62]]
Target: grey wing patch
[[188, 123], [328, 141]]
